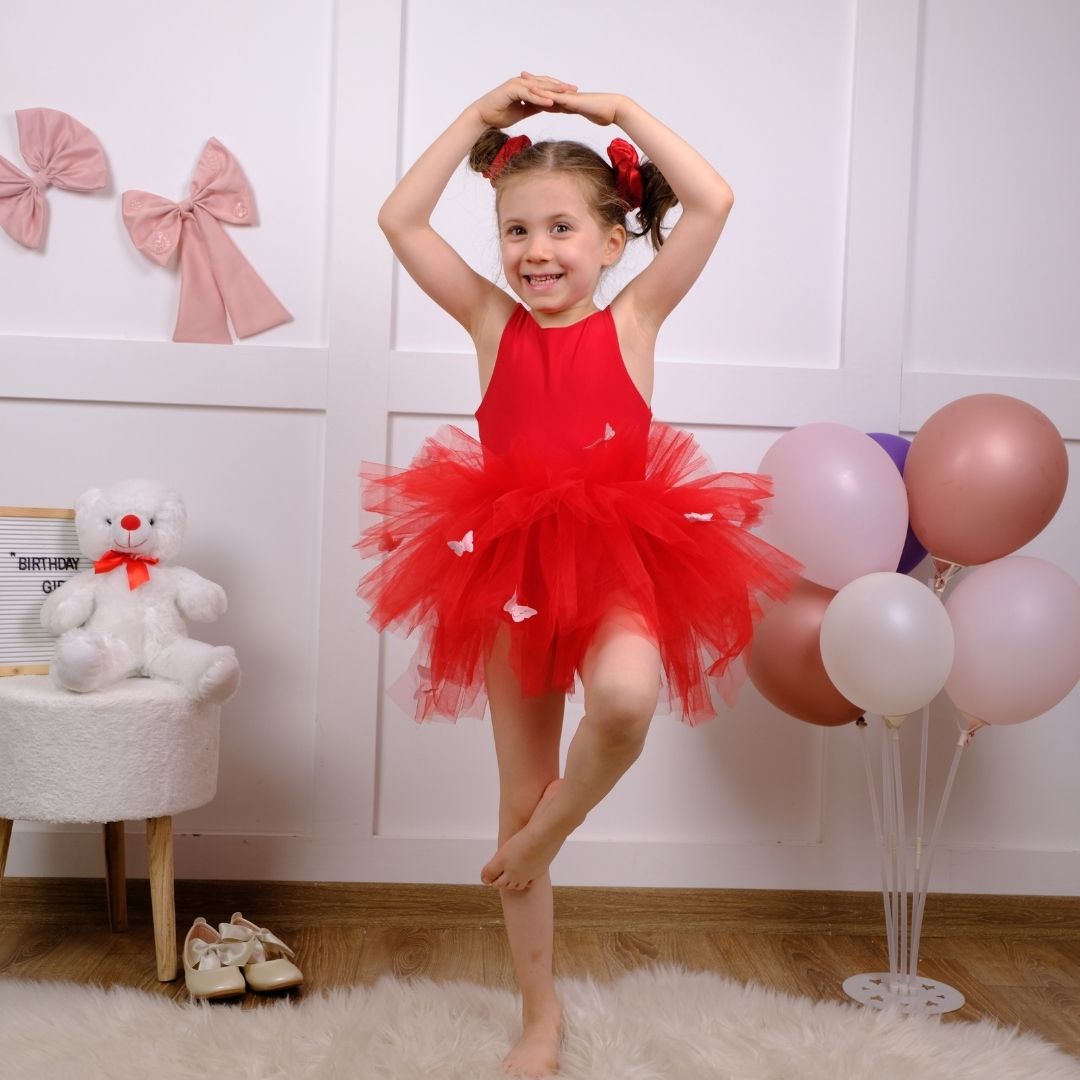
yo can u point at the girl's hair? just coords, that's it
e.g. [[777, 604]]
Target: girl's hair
[[597, 176]]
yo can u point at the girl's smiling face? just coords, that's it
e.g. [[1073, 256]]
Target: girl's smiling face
[[553, 246]]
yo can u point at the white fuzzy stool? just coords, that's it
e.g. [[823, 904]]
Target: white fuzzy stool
[[141, 749]]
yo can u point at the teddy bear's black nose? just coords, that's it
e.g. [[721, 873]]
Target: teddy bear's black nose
[[130, 522]]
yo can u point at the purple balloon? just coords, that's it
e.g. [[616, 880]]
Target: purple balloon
[[897, 447]]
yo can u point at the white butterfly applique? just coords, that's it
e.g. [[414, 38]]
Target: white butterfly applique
[[518, 612], [426, 688], [691, 516], [459, 547], [609, 433]]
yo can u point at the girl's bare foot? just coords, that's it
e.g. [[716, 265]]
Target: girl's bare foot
[[537, 1051], [528, 853]]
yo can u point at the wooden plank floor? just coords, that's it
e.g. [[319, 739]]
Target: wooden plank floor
[[1015, 959]]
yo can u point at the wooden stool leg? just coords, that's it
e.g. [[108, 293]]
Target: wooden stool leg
[[115, 876], [5, 838], [162, 897]]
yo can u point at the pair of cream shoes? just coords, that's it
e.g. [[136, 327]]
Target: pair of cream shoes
[[238, 955]]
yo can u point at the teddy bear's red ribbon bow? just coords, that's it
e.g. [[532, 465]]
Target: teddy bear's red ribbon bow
[[215, 278], [137, 573]]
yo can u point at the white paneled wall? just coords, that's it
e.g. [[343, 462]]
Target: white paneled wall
[[903, 234], [154, 85]]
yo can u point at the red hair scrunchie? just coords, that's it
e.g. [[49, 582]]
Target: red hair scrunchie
[[509, 149], [624, 160]]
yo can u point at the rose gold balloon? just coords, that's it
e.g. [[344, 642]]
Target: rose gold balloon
[[985, 474], [785, 660]]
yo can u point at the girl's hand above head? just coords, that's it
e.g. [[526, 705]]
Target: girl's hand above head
[[519, 97], [599, 108]]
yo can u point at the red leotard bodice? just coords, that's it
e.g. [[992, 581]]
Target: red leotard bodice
[[559, 388]]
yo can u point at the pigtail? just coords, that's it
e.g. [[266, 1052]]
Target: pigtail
[[483, 151], [657, 199]]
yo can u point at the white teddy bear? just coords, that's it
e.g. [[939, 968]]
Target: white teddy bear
[[125, 617]]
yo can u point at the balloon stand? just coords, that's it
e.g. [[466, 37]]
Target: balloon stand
[[905, 877]]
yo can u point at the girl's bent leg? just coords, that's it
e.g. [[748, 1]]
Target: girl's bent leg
[[621, 676], [527, 735]]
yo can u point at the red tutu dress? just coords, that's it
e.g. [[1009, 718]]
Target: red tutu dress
[[574, 500]]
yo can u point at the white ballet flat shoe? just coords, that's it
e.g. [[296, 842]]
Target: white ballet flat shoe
[[212, 967], [269, 966]]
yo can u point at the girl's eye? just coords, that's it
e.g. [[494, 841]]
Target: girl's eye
[[515, 230], [562, 227]]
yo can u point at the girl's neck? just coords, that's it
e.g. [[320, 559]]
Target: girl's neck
[[553, 319]]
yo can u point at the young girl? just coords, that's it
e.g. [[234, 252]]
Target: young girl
[[577, 537]]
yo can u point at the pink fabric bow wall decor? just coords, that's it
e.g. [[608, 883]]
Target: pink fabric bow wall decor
[[61, 152], [215, 278]]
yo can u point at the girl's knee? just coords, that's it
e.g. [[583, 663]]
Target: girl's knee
[[516, 806], [621, 713]]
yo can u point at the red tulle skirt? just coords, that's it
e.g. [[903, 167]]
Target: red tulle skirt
[[473, 541]]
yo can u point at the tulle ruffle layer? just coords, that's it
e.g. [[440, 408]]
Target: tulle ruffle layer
[[473, 541]]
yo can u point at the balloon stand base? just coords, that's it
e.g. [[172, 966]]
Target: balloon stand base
[[881, 990]]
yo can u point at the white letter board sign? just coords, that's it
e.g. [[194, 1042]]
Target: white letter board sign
[[38, 552]]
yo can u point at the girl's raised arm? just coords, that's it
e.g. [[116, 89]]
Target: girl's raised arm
[[705, 196], [405, 216]]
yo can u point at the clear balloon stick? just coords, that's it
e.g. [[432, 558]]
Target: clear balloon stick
[[924, 882], [901, 849], [871, 787], [920, 823], [940, 575], [889, 799]]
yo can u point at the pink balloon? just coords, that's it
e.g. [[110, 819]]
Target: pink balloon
[[1016, 622], [839, 505], [785, 660], [984, 475]]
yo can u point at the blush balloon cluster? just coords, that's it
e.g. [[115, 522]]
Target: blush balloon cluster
[[983, 476]]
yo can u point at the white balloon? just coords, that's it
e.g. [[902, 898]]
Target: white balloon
[[887, 643]]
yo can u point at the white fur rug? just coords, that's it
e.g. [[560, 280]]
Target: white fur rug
[[660, 1023]]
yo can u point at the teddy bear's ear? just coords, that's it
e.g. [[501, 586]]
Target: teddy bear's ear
[[86, 502], [170, 516], [171, 510], [173, 503]]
